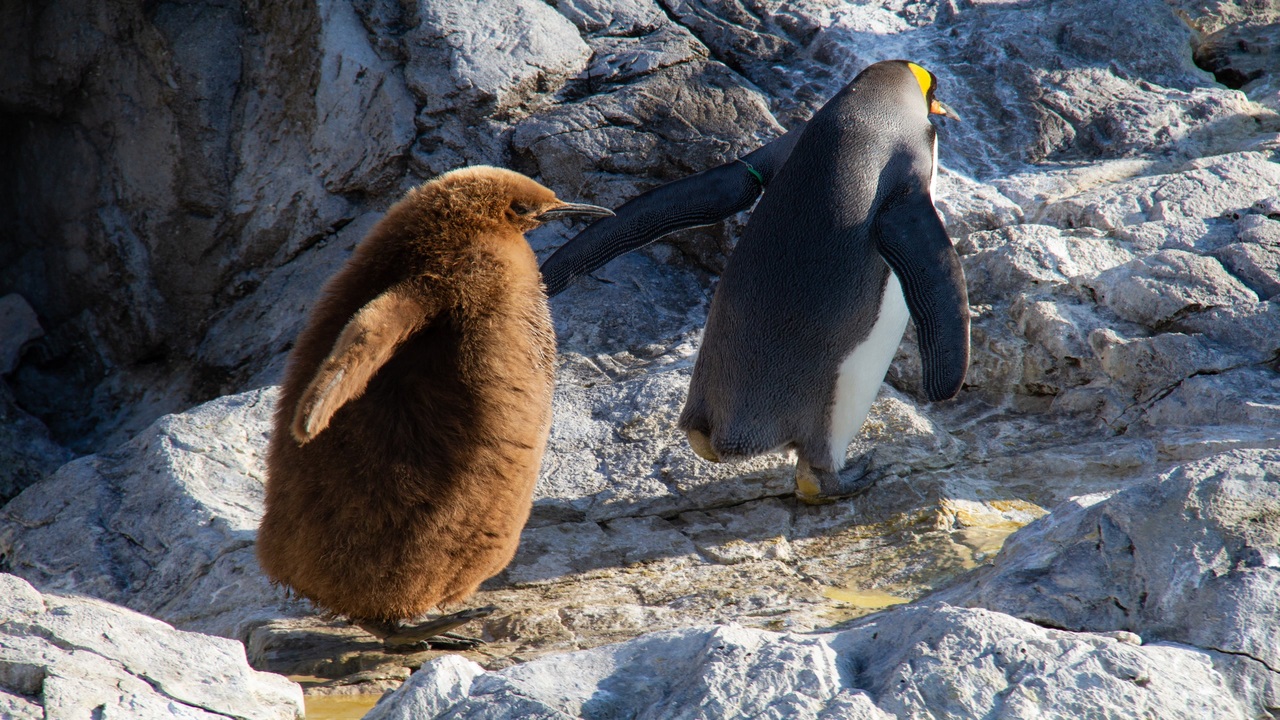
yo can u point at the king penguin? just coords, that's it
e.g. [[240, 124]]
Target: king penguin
[[842, 248], [416, 406]]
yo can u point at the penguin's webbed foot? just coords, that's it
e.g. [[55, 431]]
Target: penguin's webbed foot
[[434, 632], [701, 444], [817, 486]]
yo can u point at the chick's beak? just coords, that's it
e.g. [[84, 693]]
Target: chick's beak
[[569, 209], [937, 107]]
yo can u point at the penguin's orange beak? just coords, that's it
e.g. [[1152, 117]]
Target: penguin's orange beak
[[937, 107]]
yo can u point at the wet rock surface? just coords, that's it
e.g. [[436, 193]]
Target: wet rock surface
[[186, 177]]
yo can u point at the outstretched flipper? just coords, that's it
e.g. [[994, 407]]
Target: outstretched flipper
[[701, 199], [365, 345], [915, 244]]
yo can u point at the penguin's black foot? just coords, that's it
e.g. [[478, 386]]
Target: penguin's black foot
[[434, 632], [816, 486]]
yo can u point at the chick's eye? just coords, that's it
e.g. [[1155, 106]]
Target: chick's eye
[[520, 208]]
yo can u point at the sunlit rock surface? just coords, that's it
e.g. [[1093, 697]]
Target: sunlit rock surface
[[70, 657]]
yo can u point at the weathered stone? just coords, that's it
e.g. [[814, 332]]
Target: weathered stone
[[1244, 397], [1189, 234], [230, 138], [247, 344], [1162, 289], [1190, 557], [622, 59], [672, 123], [1207, 188], [1243, 50], [64, 657], [1260, 229], [429, 694], [474, 68], [966, 205], [27, 452], [1027, 258], [1150, 366], [915, 662], [18, 326], [163, 525], [1258, 266]]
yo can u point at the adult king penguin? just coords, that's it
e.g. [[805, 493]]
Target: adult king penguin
[[842, 248], [415, 408]]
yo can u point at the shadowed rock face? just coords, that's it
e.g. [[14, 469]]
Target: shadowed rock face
[[186, 176]]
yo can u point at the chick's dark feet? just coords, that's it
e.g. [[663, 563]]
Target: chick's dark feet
[[435, 631]]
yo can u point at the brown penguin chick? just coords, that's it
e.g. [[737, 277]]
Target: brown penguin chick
[[416, 405]]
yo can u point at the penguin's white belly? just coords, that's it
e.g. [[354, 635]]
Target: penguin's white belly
[[863, 369]]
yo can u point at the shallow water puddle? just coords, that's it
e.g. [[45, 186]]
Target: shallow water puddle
[[933, 549], [866, 599], [338, 707]]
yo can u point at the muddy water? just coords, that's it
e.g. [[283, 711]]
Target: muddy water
[[338, 707]]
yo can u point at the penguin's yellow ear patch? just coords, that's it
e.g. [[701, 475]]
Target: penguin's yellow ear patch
[[924, 77]]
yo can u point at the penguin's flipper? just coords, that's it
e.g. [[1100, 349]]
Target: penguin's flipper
[[913, 240], [701, 199], [369, 339]]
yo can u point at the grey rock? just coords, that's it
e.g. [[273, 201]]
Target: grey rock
[[669, 124], [966, 205], [18, 326], [474, 68], [64, 657], [1258, 266], [621, 18], [1162, 289], [169, 153], [1247, 396], [1151, 366], [622, 59], [1208, 188], [358, 96], [27, 452], [914, 662], [247, 344], [163, 525], [1242, 54], [1260, 229], [1190, 557], [429, 694], [615, 451], [1179, 291], [628, 40], [1189, 234], [1030, 258]]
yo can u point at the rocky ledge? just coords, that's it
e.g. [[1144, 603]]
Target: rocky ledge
[[1159, 601]]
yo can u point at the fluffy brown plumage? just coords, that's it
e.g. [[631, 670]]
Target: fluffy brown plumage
[[416, 405]]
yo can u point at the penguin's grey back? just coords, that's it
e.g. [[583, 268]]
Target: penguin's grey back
[[794, 300]]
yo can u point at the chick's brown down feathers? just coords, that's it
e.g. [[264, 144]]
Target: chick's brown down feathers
[[415, 406]]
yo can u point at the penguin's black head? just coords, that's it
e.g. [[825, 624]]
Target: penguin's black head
[[928, 85]]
